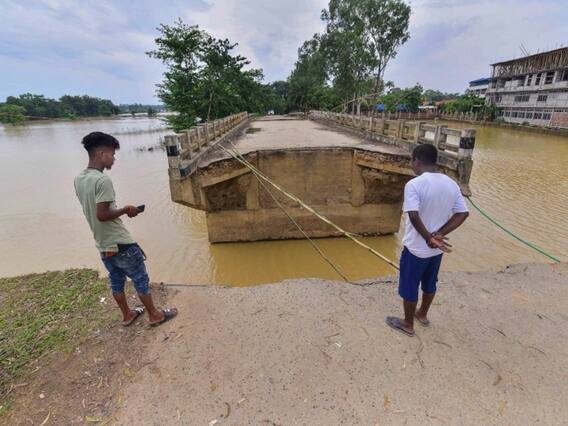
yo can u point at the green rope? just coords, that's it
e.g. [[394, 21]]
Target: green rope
[[527, 243]]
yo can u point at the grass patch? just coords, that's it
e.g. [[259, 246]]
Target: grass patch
[[46, 313], [253, 130]]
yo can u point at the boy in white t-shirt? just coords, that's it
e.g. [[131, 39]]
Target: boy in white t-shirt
[[434, 207]]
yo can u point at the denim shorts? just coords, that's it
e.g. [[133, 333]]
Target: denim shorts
[[414, 271], [128, 263]]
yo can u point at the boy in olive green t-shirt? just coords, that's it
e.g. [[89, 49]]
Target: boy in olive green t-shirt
[[119, 252]]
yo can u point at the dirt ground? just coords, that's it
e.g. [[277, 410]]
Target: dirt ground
[[318, 352]]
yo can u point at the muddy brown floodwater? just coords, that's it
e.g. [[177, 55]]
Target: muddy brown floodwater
[[521, 179]]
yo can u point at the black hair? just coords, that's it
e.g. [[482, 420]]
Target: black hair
[[427, 154], [96, 139]]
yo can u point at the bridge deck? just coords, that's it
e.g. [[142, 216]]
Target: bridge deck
[[276, 134]]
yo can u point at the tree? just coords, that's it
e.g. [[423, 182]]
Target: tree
[[348, 61], [435, 95], [361, 37], [12, 114], [386, 29], [178, 48], [38, 106], [279, 96], [204, 79], [402, 99], [307, 84], [465, 103], [152, 112]]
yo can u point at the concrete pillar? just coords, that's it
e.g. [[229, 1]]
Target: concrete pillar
[[206, 130], [418, 132], [172, 150], [467, 143], [400, 129], [437, 133], [199, 132], [190, 141]]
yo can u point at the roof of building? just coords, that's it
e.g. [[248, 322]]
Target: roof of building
[[545, 61], [535, 56], [479, 81]]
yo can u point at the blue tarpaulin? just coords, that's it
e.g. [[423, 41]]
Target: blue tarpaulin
[[399, 107]]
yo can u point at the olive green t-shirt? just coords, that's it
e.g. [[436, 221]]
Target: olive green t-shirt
[[92, 187]]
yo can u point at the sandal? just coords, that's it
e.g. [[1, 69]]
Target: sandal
[[168, 315], [396, 324], [138, 310]]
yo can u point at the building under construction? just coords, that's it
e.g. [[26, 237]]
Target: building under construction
[[532, 89]]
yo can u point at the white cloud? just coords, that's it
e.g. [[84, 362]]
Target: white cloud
[[98, 47], [269, 33], [453, 42]]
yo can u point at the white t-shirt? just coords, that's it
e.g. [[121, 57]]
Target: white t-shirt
[[436, 198]]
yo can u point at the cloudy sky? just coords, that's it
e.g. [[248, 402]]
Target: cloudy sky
[[56, 47]]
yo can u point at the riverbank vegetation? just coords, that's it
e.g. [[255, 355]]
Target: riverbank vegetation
[[30, 106], [38, 106], [45, 314]]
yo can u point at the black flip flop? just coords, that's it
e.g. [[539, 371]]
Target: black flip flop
[[139, 310], [396, 324], [168, 315]]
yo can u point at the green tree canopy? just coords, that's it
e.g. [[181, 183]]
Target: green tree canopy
[[307, 84], [12, 114], [361, 37], [38, 106], [408, 99], [204, 78], [345, 65]]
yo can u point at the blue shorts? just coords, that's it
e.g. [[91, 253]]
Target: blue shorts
[[128, 263], [415, 270]]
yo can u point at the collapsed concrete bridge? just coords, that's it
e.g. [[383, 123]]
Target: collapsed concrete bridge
[[351, 169]]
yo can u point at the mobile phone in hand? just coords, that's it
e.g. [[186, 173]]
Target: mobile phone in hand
[[141, 208]]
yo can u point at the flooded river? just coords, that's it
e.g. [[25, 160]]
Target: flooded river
[[521, 179]]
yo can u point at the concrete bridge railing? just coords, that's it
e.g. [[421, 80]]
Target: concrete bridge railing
[[185, 147], [455, 145]]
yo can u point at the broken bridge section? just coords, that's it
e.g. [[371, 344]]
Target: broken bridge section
[[333, 163]]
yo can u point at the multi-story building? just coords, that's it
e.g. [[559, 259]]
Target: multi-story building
[[478, 87], [533, 89]]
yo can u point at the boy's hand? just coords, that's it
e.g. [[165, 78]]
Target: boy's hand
[[439, 241], [131, 211]]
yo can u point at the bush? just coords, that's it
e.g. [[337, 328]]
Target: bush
[[12, 114]]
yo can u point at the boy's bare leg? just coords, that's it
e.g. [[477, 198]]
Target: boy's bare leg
[[153, 313], [409, 311], [427, 299], [127, 314]]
